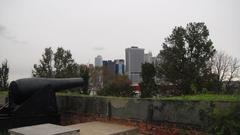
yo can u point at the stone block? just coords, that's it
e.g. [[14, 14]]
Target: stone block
[[44, 129]]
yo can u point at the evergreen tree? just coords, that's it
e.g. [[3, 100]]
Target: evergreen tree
[[119, 86], [64, 63], [44, 69], [148, 86], [185, 56], [4, 72], [84, 73], [61, 65]]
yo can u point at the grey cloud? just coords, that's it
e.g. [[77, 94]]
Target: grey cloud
[[2, 29], [4, 34], [98, 48]]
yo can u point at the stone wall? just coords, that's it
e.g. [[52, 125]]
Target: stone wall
[[182, 114], [2, 100]]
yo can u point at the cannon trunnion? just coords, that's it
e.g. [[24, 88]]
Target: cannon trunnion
[[33, 101]]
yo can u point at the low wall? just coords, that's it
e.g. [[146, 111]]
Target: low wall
[[2, 100], [180, 113]]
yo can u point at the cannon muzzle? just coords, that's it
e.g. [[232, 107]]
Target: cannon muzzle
[[22, 89]]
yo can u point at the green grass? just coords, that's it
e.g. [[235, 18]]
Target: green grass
[[70, 94], [3, 93], [204, 97], [198, 97], [75, 94]]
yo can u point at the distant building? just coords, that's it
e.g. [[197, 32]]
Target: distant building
[[90, 66], [108, 71], [134, 61], [109, 65], [119, 66], [148, 58], [98, 61]]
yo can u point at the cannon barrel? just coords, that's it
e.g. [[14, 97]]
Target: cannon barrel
[[22, 89]]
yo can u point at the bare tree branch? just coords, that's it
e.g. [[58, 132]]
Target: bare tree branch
[[226, 68]]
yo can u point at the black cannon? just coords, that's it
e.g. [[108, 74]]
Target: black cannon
[[33, 101]]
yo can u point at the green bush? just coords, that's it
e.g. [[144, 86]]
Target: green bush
[[3, 93], [225, 122], [3, 89], [120, 86]]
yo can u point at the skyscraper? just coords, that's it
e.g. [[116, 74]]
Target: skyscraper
[[108, 71], [98, 61], [134, 60], [119, 66], [148, 58], [109, 65]]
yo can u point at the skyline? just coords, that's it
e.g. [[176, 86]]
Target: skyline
[[106, 27]]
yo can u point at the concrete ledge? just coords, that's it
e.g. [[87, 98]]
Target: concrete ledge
[[44, 129], [102, 128]]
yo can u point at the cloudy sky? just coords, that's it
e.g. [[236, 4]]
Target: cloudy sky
[[106, 27]]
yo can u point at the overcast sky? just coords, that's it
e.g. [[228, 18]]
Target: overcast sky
[[106, 27]]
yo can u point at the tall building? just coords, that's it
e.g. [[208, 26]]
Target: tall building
[[98, 61], [119, 66], [108, 71], [148, 58], [109, 65], [134, 60]]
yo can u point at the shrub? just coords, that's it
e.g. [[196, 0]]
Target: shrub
[[225, 122], [120, 86]]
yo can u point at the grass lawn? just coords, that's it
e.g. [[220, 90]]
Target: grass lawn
[[205, 97], [198, 97], [70, 94], [3, 93], [75, 94]]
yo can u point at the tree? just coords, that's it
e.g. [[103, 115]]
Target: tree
[[61, 61], [96, 78], [185, 56], [64, 63], [148, 86], [107, 75], [45, 68], [84, 73], [4, 72], [61, 65], [1, 77], [233, 73], [120, 86], [226, 68], [220, 67]]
